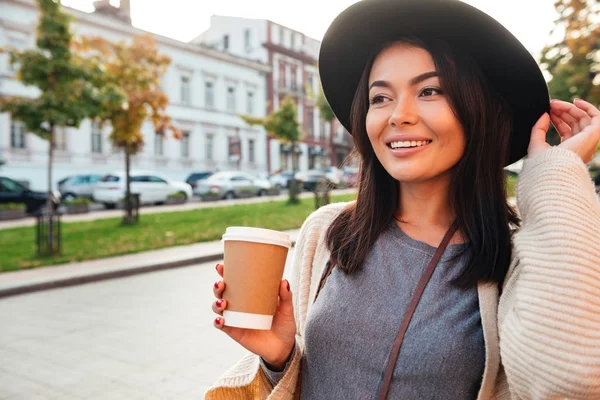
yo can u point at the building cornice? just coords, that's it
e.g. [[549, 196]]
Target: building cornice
[[121, 27]]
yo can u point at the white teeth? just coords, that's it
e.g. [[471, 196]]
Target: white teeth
[[396, 145]]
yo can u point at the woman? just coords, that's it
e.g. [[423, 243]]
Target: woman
[[431, 285]]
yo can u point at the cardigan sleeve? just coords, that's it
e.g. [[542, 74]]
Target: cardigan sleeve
[[549, 312]]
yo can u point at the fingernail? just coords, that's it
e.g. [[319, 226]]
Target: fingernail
[[288, 285], [220, 303], [218, 320], [217, 267], [217, 285]]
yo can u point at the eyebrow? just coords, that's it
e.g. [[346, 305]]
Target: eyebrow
[[417, 79]]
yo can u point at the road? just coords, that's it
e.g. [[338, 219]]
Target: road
[[99, 213], [144, 337]]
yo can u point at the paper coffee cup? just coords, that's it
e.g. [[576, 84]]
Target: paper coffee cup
[[254, 261]]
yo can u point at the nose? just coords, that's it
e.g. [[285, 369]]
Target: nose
[[405, 112]]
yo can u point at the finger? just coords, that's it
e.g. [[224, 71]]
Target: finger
[[219, 269], [218, 288], [233, 332], [286, 307], [574, 116], [589, 108], [564, 130], [218, 306], [538, 132]]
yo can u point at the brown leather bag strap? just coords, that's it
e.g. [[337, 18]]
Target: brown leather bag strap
[[326, 273], [393, 358]]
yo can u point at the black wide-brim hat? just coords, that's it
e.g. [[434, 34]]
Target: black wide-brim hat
[[365, 26]]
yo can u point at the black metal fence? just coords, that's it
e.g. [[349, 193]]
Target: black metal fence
[[48, 234]]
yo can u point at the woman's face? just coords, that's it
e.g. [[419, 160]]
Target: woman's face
[[413, 130]]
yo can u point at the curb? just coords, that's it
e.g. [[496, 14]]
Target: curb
[[103, 276]]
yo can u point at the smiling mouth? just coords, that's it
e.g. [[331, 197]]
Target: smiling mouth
[[408, 144]]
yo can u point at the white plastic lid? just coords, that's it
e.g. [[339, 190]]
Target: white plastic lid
[[257, 235]]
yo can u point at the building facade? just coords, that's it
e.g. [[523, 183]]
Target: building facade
[[292, 57], [208, 90]]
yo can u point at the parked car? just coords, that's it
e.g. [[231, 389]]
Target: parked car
[[281, 179], [78, 186], [310, 180], [12, 191], [197, 176], [334, 175], [153, 188], [350, 175], [230, 185]]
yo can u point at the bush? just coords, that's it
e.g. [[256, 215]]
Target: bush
[[178, 195], [12, 206], [78, 201]]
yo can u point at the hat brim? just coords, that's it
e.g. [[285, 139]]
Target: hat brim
[[366, 25]]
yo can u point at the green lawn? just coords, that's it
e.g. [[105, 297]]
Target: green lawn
[[511, 182], [104, 238]]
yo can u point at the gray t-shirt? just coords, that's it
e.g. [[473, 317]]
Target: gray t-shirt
[[352, 326]]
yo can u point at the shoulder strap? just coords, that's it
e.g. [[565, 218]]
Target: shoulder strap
[[328, 269]]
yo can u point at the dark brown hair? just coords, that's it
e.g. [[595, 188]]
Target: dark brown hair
[[478, 185]]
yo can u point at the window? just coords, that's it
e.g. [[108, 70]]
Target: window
[[154, 179], [19, 43], [225, 42], [96, 138], [251, 150], [60, 138], [10, 186], [310, 121], [209, 99], [281, 74], [231, 99], [209, 147], [17, 135], [185, 145], [309, 81], [293, 44], [293, 77], [249, 103], [281, 35], [185, 89], [247, 40], [158, 144]]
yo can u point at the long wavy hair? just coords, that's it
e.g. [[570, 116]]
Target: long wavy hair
[[478, 185]]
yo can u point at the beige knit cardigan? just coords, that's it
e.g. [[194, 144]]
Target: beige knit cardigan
[[542, 335]]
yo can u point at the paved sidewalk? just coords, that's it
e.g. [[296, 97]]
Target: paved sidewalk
[[51, 277], [192, 205]]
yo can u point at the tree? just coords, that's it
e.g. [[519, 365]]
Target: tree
[[574, 62], [69, 89], [283, 125], [327, 115], [137, 68]]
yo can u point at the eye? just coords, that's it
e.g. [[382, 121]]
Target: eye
[[376, 99], [432, 91]]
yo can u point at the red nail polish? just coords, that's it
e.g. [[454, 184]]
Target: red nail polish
[[217, 285], [220, 303], [217, 267], [218, 321], [288, 285]]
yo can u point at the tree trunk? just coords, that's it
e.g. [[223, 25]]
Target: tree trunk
[[128, 220], [294, 188], [49, 203]]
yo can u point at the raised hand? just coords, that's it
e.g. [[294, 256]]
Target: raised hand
[[578, 125], [275, 345]]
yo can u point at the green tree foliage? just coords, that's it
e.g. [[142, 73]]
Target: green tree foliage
[[69, 88], [283, 124]]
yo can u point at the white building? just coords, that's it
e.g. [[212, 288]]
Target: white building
[[292, 57], [208, 90]]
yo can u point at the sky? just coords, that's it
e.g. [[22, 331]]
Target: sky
[[529, 20]]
